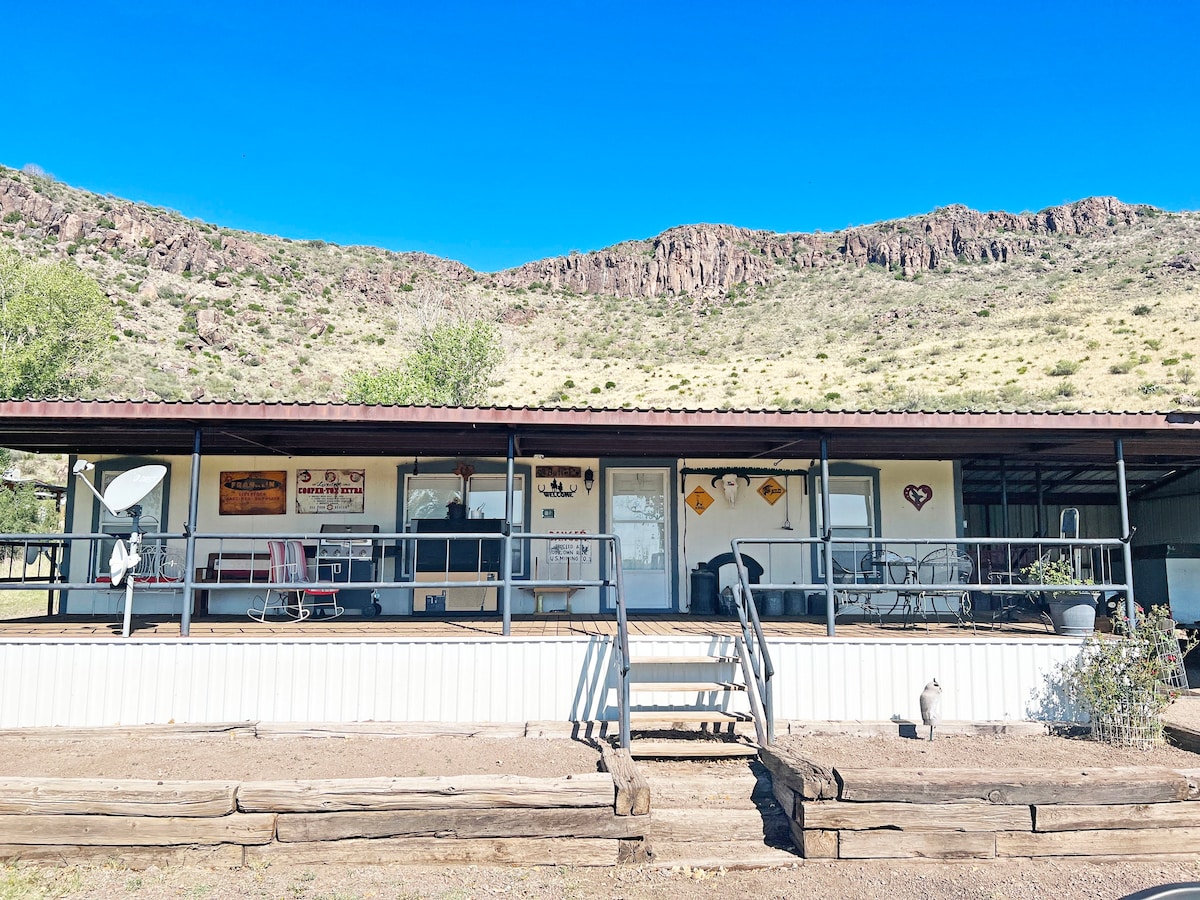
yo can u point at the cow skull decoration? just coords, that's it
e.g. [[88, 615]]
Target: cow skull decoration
[[729, 484]]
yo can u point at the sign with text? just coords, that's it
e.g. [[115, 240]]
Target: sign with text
[[570, 551], [331, 490], [771, 490], [253, 494], [699, 500]]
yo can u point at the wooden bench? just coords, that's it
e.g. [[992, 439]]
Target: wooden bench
[[235, 566]]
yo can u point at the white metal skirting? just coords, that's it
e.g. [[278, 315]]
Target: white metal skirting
[[79, 683]]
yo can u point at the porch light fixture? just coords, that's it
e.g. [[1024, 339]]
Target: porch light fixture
[[589, 480], [416, 466]]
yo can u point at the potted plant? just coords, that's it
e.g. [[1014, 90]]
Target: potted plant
[[1073, 613], [1124, 682]]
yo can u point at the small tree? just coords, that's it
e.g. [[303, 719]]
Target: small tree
[[53, 322], [452, 365]]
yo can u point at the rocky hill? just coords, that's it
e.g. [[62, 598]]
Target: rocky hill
[[1087, 305]]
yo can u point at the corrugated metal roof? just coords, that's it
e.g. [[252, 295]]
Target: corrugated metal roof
[[300, 428]]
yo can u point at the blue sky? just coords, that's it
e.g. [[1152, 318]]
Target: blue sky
[[496, 134]]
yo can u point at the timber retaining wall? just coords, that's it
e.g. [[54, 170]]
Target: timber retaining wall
[[581, 820], [864, 813]]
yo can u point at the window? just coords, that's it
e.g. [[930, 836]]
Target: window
[[485, 498], [853, 513], [426, 497]]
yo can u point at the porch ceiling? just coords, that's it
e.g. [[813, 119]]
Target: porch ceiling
[[1069, 445]]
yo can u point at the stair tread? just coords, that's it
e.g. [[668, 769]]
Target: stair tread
[[697, 686], [687, 715], [682, 660], [692, 749]]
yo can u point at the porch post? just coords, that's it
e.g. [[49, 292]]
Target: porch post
[[827, 537], [506, 563], [189, 556], [1126, 535], [1004, 499]]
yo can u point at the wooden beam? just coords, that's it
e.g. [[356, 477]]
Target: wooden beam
[[457, 792], [135, 831], [116, 797], [217, 856], [460, 823], [814, 844], [971, 816], [916, 845], [1126, 784], [811, 780], [416, 850], [1115, 816], [708, 825], [633, 791], [1099, 843]]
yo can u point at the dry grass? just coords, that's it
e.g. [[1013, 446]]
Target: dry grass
[[1077, 322]]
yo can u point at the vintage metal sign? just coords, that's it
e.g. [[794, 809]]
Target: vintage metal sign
[[570, 551], [771, 490], [253, 494], [699, 500], [331, 490]]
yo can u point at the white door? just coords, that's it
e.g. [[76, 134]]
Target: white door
[[637, 513]]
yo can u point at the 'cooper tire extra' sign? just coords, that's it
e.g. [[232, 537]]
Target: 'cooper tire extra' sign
[[331, 490]]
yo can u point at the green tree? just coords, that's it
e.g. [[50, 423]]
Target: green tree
[[452, 365], [53, 324], [21, 512]]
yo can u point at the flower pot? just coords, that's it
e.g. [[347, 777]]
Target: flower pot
[[1073, 614]]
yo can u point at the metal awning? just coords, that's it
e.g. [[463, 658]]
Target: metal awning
[[1071, 452]]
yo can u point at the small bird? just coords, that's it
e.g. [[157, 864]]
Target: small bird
[[931, 700]]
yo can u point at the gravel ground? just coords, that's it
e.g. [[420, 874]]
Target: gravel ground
[[1002, 880]]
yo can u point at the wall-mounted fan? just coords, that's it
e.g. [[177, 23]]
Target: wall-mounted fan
[[124, 496]]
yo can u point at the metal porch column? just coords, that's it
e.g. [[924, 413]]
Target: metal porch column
[[189, 557], [827, 538], [1126, 535], [506, 563]]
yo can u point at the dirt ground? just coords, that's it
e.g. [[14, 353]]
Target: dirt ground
[[270, 759], [239, 758]]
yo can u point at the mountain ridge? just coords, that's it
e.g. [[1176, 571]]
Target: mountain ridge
[[906, 313]]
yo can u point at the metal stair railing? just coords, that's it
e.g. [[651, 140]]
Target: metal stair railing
[[757, 667], [621, 658]]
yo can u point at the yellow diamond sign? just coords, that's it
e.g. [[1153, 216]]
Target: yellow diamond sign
[[699, 500], [771, 490]]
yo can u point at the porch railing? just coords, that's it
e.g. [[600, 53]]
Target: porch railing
[[890, 566]]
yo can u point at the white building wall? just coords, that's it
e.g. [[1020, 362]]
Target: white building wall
[[52, 682]]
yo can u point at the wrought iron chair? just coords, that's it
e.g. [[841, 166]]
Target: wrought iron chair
[[852, 587], [946, 566], [289, 565]]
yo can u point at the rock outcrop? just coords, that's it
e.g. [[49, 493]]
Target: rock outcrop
[[709, 260]]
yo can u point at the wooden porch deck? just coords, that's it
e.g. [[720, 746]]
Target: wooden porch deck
[[552, 625]]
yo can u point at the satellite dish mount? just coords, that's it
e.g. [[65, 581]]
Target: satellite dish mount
[[123, 497]]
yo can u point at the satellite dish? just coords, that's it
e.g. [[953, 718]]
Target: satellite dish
[[32, 554], [129, 488], [119, 563]]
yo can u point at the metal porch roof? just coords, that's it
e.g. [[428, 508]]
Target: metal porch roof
[[1073, 451]]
